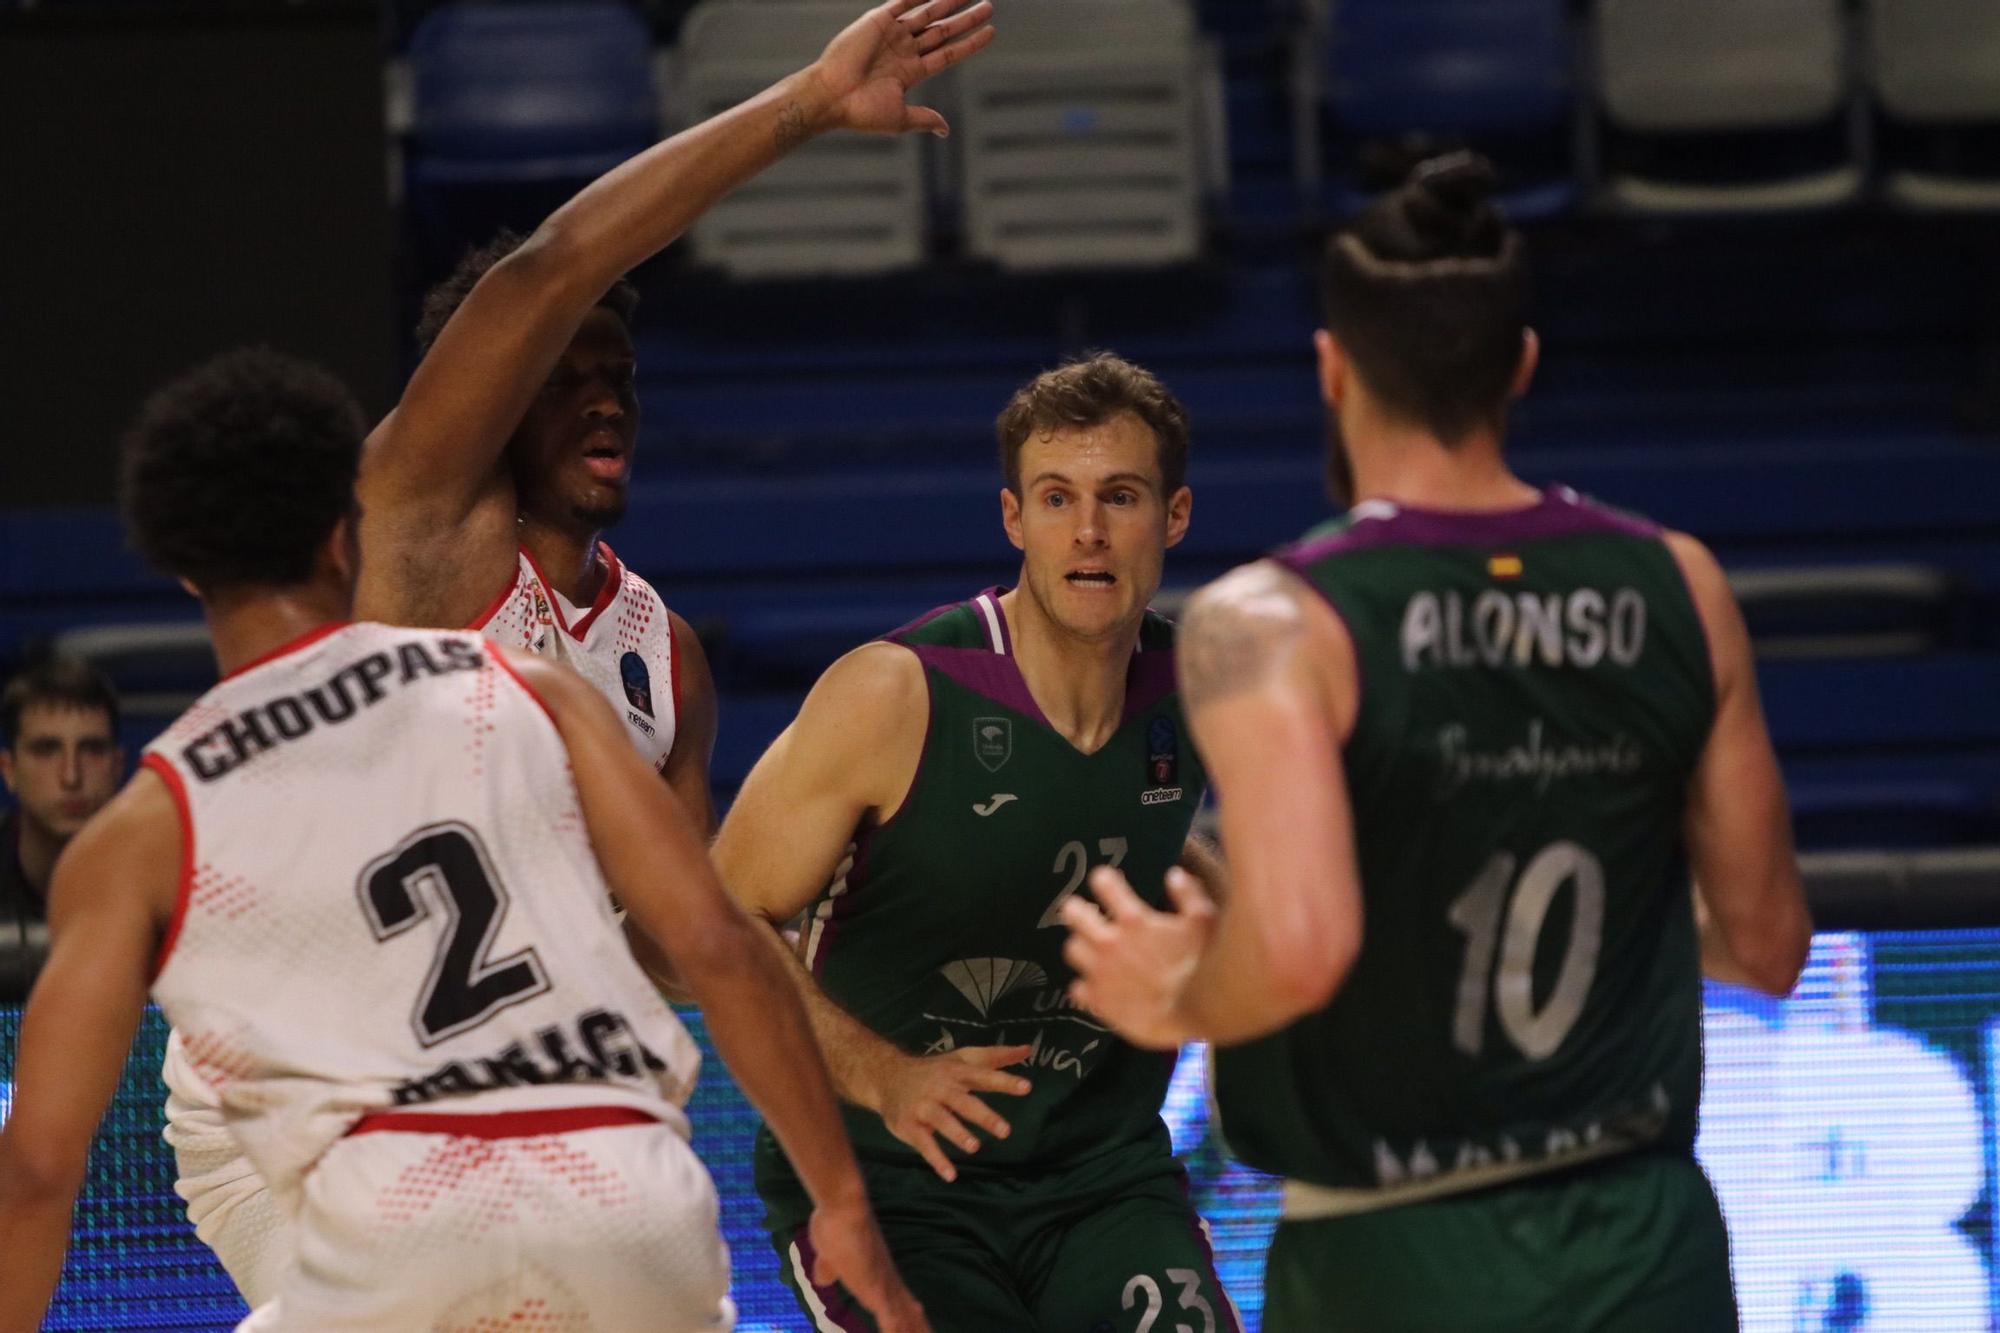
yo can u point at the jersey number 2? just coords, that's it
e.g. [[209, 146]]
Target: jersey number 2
[[444, 868]]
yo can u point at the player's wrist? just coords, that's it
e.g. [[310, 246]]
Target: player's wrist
[[807, 104]]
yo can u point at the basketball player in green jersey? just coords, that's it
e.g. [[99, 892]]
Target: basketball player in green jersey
[[1473, 743], [953, 784]]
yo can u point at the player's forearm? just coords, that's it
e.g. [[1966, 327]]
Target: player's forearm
[[34, 1233], [637, 209], [1260, 973], [761, 1031], [857, 1057]]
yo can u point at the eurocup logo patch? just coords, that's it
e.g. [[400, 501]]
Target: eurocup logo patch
[[1163, 762], [638, 682], [992, 741]]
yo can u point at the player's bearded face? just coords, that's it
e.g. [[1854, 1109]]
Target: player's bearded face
[[572, 455], [1093, 524]]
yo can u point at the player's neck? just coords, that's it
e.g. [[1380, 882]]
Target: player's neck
[[245, 626], [1409, 466], [1078, 683], [567, 559]]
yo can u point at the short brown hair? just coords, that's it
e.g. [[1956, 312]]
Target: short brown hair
[[55, 682], [1089, 391]]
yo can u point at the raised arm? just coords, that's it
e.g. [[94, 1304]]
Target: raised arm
[[113, 891], [432, 466], [1267, 676], [1756, 928], [848, 759], [654, 858]]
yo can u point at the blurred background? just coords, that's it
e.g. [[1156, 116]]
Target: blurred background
[[1766, 235]]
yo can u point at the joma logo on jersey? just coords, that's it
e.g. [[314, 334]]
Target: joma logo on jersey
[[992, 741]]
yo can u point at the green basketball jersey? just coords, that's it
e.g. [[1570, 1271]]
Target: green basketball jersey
[[1535, 690], [941, 931]]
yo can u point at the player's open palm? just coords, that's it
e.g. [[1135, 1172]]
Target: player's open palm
[[925, 1098], [848, 1248], [1131, 961], [871, 66]]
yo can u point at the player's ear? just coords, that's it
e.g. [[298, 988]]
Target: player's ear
[[7, 768], [343, 549], [1332, 359], [1010, 517], [1531, 356], [1180, 506]]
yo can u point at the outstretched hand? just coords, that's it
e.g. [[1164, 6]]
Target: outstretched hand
[[933, 1095], [870, 68], [1133, 962]]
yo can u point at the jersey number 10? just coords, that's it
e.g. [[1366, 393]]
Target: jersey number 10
[[1478, 914]]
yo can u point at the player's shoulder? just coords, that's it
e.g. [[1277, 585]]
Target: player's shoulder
[[1707, 583], [140, 833], [968, 624], [875, 680], [1156, 632]]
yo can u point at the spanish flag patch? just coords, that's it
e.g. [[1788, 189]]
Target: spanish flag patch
[[1504, 566]]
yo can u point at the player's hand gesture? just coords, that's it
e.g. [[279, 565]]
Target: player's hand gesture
[[848, 1249], [1133, 962], [923, 1097], [868, 70]]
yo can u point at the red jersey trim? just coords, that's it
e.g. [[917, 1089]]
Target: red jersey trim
[[178, 790], [501, 1124], [485, 617], [614, 578], [306, 640], [500, 660], [674, 670]]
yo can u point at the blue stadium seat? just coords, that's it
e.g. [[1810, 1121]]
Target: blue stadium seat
[[529, 92], [1496, 74], [515, 105]]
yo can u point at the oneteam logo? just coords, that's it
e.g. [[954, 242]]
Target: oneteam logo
[[999, 799]]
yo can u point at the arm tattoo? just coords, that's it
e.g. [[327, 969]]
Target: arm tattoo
[[1237, 633], [792, 130]]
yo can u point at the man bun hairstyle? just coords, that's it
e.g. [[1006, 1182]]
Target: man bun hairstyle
[[442, 301], [235, 473], [1427, 293], [1089, 391]]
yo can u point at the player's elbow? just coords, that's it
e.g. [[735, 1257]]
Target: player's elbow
[[539, 269], [37, 1173], [1772, 962], [1772, 952], [709, 958], [1308, 968]]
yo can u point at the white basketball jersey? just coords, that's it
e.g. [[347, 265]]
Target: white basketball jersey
[[623, 644], [388, 899]]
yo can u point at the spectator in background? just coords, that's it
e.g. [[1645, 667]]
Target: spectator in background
[[61, 761]]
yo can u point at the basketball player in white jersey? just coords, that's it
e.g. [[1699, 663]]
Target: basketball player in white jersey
[[366, 876], [484, 493]]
